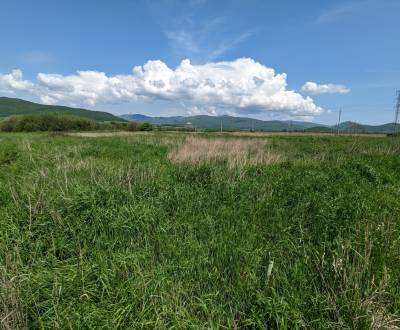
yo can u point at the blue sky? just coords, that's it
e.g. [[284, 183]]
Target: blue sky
[[348, 50]]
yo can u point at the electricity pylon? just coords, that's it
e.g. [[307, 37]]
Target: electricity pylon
[[397, 112]]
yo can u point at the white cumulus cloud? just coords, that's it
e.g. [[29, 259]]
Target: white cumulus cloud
[[314, 88], [86, 87], [14, 81], [242, 86]]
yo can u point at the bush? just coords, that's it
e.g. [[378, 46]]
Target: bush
[[146, 127], [394, 134], [118, 126], [132, 126], [47, 122]]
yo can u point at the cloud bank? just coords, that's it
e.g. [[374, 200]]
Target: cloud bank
[[14, 82], [314, 88], [240, 86]]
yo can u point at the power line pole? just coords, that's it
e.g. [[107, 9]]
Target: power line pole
[[397, 112], [221, 125], [338, 123]]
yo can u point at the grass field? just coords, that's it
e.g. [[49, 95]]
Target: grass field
[[185, 231]]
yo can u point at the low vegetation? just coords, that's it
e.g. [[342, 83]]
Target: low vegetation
[[133, 126], [46, 122], [60, 122], [170, 230]]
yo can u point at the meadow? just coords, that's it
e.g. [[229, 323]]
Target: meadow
[[158, 230]]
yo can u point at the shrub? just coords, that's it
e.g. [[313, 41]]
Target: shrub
[[146, 127], [116, 125], [132, 126], [47, 122], [394, 134]]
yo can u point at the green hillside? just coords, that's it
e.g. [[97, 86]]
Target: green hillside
[[320, 129], [243, 123], [12, 106], [228, 122], [351, 127]]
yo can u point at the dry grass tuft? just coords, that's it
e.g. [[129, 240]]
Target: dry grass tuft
[[12, 315], [235, 152], [97, 134]]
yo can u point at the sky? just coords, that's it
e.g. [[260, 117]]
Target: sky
[[300, 60]]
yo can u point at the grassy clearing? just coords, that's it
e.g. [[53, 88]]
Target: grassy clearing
[[108, 232]]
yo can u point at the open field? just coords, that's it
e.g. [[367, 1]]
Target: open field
[[188, 231]]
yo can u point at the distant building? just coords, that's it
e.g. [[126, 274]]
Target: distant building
[[190, 126]]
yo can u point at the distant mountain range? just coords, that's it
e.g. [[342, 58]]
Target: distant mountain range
[[242, 123], [228, 122], [12, 106]]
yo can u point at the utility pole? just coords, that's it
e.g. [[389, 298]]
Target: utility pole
[[338, 123], [252, 125], [221, 125], [397, 112]]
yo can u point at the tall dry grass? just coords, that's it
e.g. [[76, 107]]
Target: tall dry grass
[[12, 315], [235, 152]]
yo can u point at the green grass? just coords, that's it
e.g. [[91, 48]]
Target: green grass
[[108, 233]]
